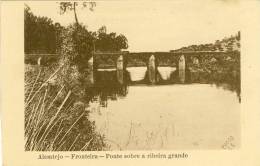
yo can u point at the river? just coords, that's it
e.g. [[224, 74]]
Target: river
[[161, 117]]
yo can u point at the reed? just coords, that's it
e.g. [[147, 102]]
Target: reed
[[49, 126]]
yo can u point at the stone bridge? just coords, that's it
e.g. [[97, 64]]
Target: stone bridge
[[152, 60]]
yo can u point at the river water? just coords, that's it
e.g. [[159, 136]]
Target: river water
[[161, 117]]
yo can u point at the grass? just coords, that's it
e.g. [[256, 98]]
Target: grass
[[54, 119]]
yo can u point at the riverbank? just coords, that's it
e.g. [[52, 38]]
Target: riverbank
[[55, 120]]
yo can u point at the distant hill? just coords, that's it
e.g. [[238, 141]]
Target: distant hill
[[227, 44]]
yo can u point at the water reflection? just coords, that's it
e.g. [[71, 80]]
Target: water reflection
[[108, 79], [137, 73], [139, 116], [165, 72], [169, 117]]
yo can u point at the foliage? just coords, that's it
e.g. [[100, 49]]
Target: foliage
[[227, 44], [40, 33], [225, 70], [110, 41], [74, 42], [77, 45], [72, 6]]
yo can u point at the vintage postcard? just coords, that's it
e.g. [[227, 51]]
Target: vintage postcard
[[130, 82]]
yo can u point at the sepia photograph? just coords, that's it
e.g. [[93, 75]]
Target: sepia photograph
[[132, 75]]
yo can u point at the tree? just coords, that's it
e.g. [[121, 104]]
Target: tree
[[76, 47], [72, 6], [40, 33], [110, 41]]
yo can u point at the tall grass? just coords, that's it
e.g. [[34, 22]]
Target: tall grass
[[54, 120]]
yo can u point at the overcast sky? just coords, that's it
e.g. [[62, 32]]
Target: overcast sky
[[158, 25]]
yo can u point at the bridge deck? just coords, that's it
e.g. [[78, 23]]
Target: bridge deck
[[163, 53]]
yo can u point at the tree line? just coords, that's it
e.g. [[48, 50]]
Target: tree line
[[231, 43], [42, 35]]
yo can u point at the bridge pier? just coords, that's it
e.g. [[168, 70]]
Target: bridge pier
[[181, 69], [120, 69], [39, 61], [90, 76], [152, 70]]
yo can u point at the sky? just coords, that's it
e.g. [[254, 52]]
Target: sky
[[154, 25]]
